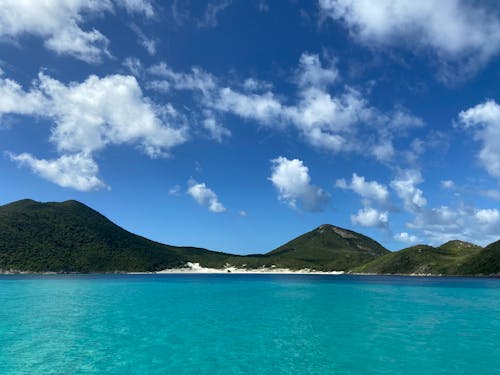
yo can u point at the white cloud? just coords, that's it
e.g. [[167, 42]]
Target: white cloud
[[252, 84], [447, 184], [59, 22], [90, 115], [205, 196], [138, 6], [243, 213], [384, 151], [369, 190], [325, 121], [484, 121], [291, 179], [76, 171], [149, 44], [212, 11], [158, 85], [491, 193], [406, 238], [455, 30], [370, 217], [312, 74], [404, 186], [197, 79], [488, 217], [98, 112], [134, 65], [441, 224], [260, 107], [215, 129], [16, 100]]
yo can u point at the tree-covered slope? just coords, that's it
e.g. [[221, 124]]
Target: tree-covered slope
[[327, 248], [484, 262], [422, 259], [72, 237]]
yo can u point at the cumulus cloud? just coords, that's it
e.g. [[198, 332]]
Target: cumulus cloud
[[484, 121], [76, 171], [311, 72], [406, 238], [369, 190], [370, 217], [89, 116], [59, 23], [16, 100], [291, 179], [405, 187], [205, 196], [455, 30], [441, 224]]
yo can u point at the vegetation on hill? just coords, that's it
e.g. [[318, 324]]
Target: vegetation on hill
[[71, 237], [327, 248], [421, 259], [484, 262]]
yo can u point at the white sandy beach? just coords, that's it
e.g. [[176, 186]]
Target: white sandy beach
[[196, 268]]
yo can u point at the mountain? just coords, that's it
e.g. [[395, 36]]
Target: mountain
[[72, 237], [422, 259], [327, 248]]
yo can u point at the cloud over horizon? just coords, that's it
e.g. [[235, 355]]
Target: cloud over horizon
[[292, 180]]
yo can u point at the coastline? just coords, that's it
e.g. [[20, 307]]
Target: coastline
[[196, 268]]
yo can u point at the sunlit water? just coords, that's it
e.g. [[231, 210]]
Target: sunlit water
[[248, 324]]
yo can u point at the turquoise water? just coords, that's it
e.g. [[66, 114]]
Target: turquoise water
[[248, 324]]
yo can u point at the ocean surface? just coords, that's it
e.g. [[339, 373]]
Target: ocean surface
[[248, 324]]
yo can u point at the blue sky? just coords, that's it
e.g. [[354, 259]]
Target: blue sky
[[238, 125]]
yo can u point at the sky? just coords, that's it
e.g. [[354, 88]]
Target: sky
[[239, 125]]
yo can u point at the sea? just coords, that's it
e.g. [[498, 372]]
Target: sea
[[248, 324]]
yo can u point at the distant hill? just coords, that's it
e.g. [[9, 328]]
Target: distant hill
[[422, 259], [72, 237], [327, 248], [484, 262]]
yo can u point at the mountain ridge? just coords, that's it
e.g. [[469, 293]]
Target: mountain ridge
[[70, 236]]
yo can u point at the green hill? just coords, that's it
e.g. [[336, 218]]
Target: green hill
[[72, 237], [327, 248], [421, 259], [484, 262]]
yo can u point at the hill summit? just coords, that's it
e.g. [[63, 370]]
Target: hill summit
[[328, 247]]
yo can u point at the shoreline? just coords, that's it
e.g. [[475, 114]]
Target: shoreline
[[197, 269]]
